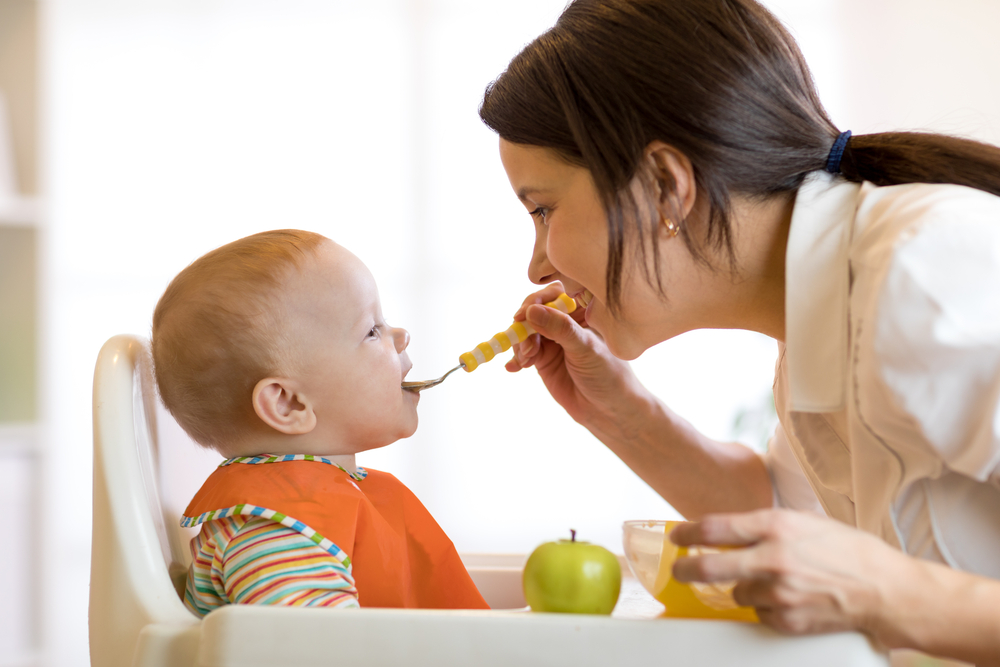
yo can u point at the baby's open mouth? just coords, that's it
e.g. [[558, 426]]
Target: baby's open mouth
[[584, 298]]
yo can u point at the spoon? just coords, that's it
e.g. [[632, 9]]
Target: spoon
[[417, 387], [518, 332]]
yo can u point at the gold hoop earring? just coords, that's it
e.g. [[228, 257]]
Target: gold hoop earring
[[673, 229]]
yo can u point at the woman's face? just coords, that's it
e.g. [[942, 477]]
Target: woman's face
[[571, 245]]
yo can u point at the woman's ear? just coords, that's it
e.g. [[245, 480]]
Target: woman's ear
[[674, 181], [279, 405]]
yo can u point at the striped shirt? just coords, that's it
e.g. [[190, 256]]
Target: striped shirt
[[251, 560]]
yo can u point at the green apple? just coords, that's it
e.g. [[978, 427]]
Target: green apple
[[572, 577]]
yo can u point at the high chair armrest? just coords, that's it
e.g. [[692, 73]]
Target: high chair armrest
[[168, 644]]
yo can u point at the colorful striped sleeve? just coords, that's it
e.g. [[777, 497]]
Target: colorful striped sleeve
[[251, 560]]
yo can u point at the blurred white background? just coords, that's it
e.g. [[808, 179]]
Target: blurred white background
[[167, 128]]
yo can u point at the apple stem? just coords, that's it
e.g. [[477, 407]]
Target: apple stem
[[572, 535]]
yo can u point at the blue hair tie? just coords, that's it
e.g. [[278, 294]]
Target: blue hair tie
[[837, 153]]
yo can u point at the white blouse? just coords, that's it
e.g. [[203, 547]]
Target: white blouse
[[887, 387]]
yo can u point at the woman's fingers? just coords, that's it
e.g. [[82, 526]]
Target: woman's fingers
[[802, 572], [530, 346], [761, 538], [558, 327], [554, 325], [542, 296], [797, 607], [755, 593], [526, 352], [734, 530], [723, 566]]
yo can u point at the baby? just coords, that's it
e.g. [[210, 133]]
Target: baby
[[272, 350]]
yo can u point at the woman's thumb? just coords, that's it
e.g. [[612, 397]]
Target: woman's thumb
[[556, 326]]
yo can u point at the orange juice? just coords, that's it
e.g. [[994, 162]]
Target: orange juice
[[680, 599]]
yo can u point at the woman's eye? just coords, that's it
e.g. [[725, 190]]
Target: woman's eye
[[542, 212]]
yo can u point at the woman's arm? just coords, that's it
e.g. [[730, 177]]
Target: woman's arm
[[807, 574], [695, 474], [944, 612]]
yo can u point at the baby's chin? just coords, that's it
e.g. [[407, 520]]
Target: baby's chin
[[412, 429]]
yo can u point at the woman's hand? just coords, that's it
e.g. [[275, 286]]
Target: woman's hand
[[808, 574], [590, 383], [802, 573]]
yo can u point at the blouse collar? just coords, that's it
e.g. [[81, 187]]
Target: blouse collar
[[817, 289]]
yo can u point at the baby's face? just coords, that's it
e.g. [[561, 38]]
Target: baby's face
[[349, 361]]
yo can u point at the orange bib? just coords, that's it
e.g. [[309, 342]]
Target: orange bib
[[396, 551]]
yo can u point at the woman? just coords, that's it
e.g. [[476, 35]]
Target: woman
[[681, 174]]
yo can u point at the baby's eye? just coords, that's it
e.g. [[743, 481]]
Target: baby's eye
[[542, 212], [373, 333]]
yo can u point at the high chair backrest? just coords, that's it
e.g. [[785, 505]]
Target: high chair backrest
[[137, 561]]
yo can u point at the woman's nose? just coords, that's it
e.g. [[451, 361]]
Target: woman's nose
[[540, 271], [400, 338]]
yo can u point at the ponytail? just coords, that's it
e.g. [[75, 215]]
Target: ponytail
[[894, 158]]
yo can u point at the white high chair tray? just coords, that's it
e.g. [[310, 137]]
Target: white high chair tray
[[252, 636]]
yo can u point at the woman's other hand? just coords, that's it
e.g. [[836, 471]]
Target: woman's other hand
[[808, 574], [803, 573]]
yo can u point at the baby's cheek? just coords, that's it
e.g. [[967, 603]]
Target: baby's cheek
[[389, 375]]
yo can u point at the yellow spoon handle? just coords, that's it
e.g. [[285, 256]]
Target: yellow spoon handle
[[518, 332]]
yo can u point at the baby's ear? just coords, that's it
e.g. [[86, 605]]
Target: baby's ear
[[279, 405]]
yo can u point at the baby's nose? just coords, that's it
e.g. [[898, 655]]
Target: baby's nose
[[401, 337]]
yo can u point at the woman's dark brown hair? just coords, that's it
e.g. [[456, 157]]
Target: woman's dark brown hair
[[720, 80]]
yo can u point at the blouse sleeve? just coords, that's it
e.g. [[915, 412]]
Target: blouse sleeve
[[267, 563], [937, 334]]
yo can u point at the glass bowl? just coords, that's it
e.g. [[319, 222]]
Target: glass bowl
[[650, 555]]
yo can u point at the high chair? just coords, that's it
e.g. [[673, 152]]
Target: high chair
[[139, 562]]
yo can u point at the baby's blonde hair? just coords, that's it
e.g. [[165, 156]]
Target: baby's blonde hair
[[217, 332]]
